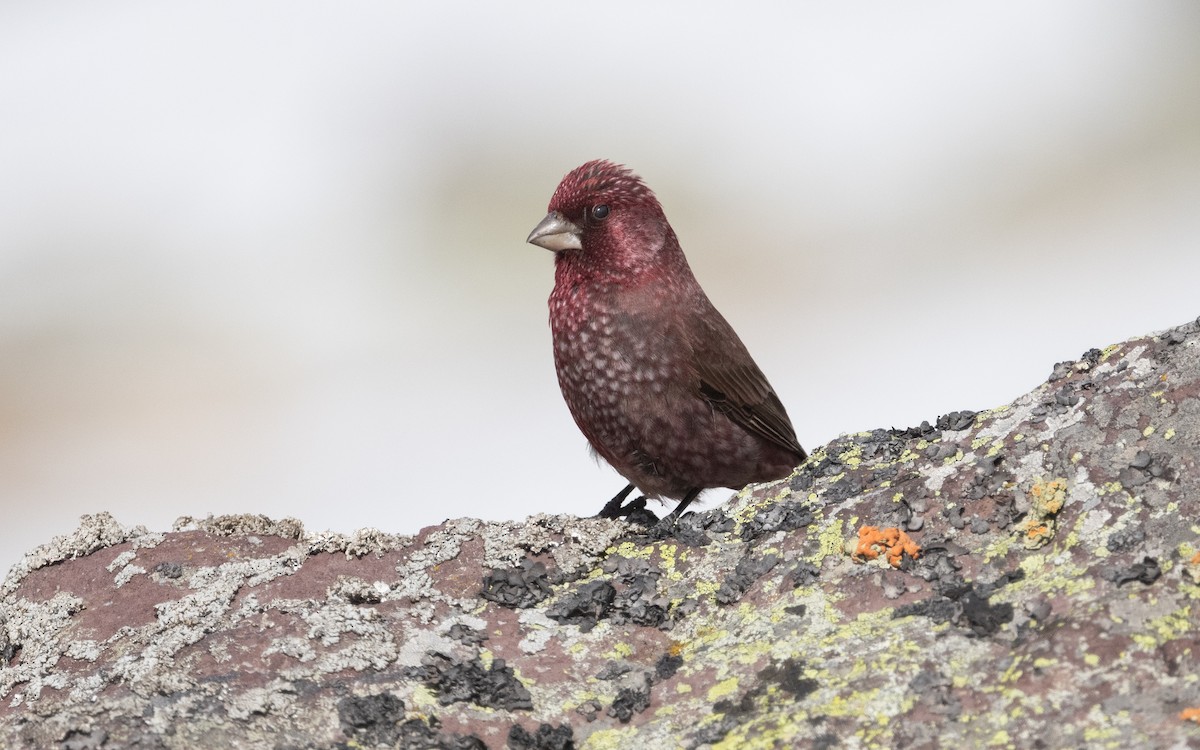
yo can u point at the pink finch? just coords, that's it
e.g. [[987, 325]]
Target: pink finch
[[656, 379]]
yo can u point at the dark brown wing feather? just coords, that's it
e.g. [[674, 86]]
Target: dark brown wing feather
[[732, 382]]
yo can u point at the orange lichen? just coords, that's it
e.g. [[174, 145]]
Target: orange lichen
[[1195, 559], [1046, 499], [891, 542], [1038, 532], [1049, 497], [1190, 714]]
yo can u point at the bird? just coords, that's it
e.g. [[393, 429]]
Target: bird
[[654, 376]]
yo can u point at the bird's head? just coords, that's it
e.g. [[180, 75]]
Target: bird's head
[[603, 216]]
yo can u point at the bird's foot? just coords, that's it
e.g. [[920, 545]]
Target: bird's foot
[[613, 508], [634, 511]]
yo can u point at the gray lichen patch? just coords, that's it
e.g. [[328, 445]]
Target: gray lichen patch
[[95, 532], [246, 524]]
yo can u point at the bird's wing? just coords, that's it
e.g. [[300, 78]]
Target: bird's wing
[[732, 382]]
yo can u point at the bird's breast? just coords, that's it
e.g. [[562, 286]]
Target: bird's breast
[[610, 362]]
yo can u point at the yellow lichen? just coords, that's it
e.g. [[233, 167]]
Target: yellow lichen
[[612, 739], [852, 457], [722, 689], [829, 539], [620, 650], [997, 549], [632, 551], [666, 553]]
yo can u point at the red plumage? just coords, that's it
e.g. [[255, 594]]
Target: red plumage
[[656, 379]]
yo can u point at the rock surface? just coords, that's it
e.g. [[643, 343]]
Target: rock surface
[[1027, 576]]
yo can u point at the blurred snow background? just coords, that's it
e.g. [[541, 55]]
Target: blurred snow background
[[269, 256]]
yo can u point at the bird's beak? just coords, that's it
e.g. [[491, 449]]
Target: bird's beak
[[556, 233]]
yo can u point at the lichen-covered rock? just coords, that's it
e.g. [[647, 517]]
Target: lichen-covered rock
[[1027, 576]]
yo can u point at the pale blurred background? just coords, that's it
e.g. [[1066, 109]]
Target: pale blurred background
[[270, 258]]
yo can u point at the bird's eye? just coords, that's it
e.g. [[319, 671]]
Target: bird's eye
[[599, 212]]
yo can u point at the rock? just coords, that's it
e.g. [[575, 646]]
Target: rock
[[1032, 582]]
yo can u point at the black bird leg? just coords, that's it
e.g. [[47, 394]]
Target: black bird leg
[[613, 508], [673, 517]]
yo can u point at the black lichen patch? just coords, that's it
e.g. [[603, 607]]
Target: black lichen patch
[[956, 421], [966, 605], [667, 666], [169, 569], [882, 446], [612, 670], [748, 570], [457, 681], [923, 431], [589, 709], [935, 690], [630, 701], [847, 488], [1147, 572], [1125, 539], [416, 734], [802, 574], [827, 465], [638, 601], [84, 739], [1142, 469], [696, 529], [826, 741], [980, 615], [647, 613], [789, 676], [8, 649], [520, 587], [547, 737], [1063, 400], [371, 719], [803, 480], [937, 561], [630, 596], [586, 606], [785, 516], [714, 732], [466, 635]]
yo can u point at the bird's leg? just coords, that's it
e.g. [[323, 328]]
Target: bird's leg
[[673, 517], [613, 508]]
